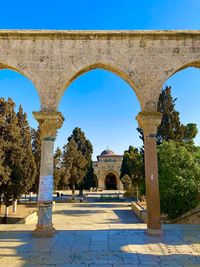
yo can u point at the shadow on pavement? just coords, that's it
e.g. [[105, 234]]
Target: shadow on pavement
[[115, 247]]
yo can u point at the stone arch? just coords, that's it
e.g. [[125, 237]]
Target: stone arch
[[24, 72], [195, 64], [118, 185], [103, 66], [175, 68], [110, 181]]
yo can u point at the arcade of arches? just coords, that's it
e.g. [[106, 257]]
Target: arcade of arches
[[53, 59]]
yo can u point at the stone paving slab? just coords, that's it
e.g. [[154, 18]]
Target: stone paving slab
[[100, 244], [115, 248]]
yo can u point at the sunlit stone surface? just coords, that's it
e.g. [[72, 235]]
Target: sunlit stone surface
[[113, 238]]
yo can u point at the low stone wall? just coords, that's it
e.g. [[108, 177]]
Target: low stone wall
[[139, 211], [190, 217], [29, 219]]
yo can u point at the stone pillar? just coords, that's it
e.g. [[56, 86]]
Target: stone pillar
[[49, 123], [149, 122]]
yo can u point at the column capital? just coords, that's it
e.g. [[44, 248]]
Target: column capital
[[149, 121], [49, 122]]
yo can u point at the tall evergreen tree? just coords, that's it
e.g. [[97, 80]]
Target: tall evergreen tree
[[75, 164], [29, 161], [15, 144], [57, 168], [171, 127], [29, 165], [4, 172], [36, 148], [85, 146], [13, 151]]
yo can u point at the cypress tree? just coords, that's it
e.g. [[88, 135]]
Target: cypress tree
[[133, 167], [75, 165], [57, 168], [85, 146], [13, 153], [4, 172], [29, 165], [16, 152], [36, 148], [170, 127]]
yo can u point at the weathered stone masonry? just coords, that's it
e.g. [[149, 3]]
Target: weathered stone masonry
[[145, 59]]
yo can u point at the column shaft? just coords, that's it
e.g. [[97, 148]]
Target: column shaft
[[152, 185], [149, 121], [45, 193], [49, 123]]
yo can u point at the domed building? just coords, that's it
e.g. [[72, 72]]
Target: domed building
[[107, 171]]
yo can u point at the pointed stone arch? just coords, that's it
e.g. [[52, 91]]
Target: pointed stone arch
[[24, 71], [195, 64], [104, 66]]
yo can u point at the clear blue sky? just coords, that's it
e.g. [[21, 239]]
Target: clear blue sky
[[99, 102]]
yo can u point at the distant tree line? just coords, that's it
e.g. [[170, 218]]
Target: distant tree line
[[178, 161]]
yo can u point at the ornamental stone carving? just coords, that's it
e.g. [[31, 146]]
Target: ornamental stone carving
[[49, 123], [149, 122]]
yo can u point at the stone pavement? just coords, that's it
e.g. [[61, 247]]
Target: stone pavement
[[84, 240], [94, 213]]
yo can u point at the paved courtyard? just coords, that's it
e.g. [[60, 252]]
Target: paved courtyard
[[99, 234]]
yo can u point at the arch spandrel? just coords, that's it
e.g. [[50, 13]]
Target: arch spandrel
[[182, 66], [145, 59]]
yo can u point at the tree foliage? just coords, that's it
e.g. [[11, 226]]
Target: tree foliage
[[179, 159], [36, 148], [132, 167], [190, 132], [77, 160], [179, 178], [75, 165], [58, 169], [171, 128], [29, 165], [127, 182], [15, 144]]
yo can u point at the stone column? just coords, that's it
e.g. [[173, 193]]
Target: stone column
[[49, 123], [149, 122]]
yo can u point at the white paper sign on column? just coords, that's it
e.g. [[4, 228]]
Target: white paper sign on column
[[45, 189]]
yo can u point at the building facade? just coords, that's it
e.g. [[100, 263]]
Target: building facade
[[107, 171]]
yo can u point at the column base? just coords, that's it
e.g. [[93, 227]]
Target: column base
[[44, 227], [154, 232], [43, 231]]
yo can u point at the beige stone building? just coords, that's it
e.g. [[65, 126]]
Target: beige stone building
[[107, 171]]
